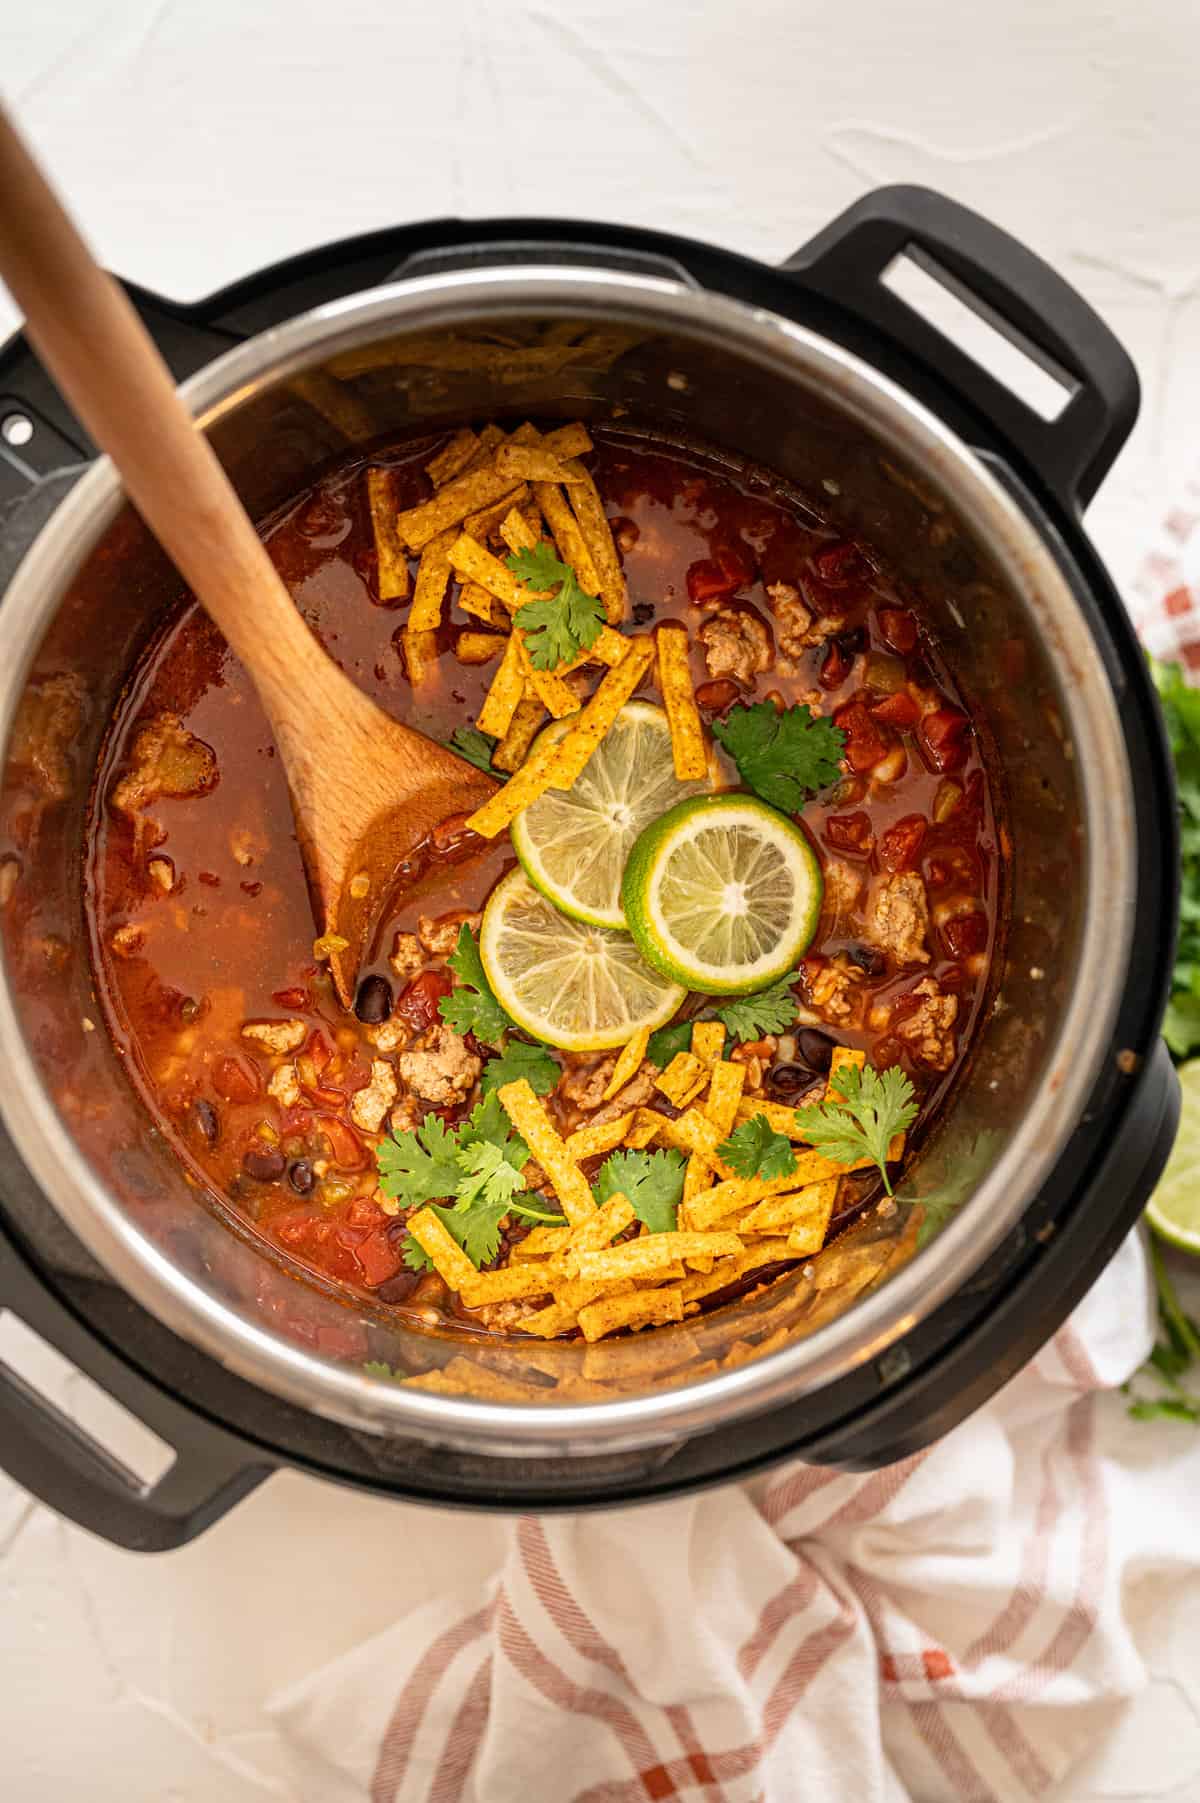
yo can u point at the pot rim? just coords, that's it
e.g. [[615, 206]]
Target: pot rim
[[1031, 563]]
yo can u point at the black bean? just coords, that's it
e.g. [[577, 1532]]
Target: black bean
[[868, 958], [852, 641], [266, 1166], [643, 613], [814, 1049], [206, 1119], [398, 1288], [301, 1176], [373, 1003], [789, 1079]]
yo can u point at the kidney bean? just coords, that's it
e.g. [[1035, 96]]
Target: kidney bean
[[898, 628], [398, 1288], [942, 736], [207, 1121], [373, 1003], [851, 641], [966, 935], [235, 1080], [301, 1176], [899, 710], [789, 1080], [712, 698], [814, 1048], [865, 745], [418, 1002], [712, 578], [886, 1052], [266, 1166], [850, 833], [842, 565], [900, 846], [296, 997], [868, 958], [834, 667]]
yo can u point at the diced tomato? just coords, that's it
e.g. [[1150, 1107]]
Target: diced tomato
[[236, 1080], [292, 998], [865, 744], [899, 710], [835, 667], [712, 578], [294, 1230], [898, 628], [346, 1149], [378, 1258], [319, 1049], [356, 1075], [901, 844], [966, 935], [952, 867], [850, 833], [842, 565], [362, 1212], [418, 1002], [942, 736]]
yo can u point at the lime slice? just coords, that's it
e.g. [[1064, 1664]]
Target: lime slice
[[722, 894], [1174, 1208], [574, 843], [579, 987]]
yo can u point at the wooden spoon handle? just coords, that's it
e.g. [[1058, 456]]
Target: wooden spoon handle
[[106, 364]]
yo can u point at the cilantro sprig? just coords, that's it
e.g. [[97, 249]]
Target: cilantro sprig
[[520, 1059], [651, 1181], [784, 757], [472, 1007], [477, 748], [668, 1042], [772, 1010], [1176, 1354], [565, 621], [872, 1108], [755, 1150], [470, 1176]]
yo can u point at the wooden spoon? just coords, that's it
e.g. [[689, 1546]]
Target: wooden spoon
[[365, 790]]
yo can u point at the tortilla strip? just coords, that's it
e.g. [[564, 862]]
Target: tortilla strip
[[810, 1206], [475, 563], [554, 694], [453, 457], [474, 599], [843, 1057], [646, 1125], [666, 1352], [540, 1242], [479, 647], [449, 1260], [675, 679], [577, 746], [724, 1094], [517, 532], [420, 654], [778, 1115], [501, 701], [629, 1061], [594, 1142], [577, 1292], [550, 1321], [389, 551], [473, 490], [646, 1256], [680, 1078], [486, 523], [708, 1040], [739, 1192], [692, 1132], [767, 1252], [530, 781], [433, 575], [594, 1233], [532, 1277], [569, 540], [608, 647], [523, 728], [533, 463], [588, 509], [645, 1308], [545, 1145]]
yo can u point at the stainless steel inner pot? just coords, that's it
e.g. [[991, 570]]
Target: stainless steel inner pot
[[556, 341]]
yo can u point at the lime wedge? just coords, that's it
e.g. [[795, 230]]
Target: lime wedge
[[1174, 1208], [579, 987], [722, 894], [574, 844]]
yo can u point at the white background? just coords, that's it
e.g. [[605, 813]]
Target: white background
[[200, 141]]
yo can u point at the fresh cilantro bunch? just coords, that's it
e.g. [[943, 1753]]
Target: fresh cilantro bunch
[[874, 1106], [477, 748], [784, 757], [1181, 711], [566, 621], [755, 1150], [772, 1010], [651, 1181], [469, 1175], [1176, 1353]]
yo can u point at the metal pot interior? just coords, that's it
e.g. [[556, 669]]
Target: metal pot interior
[[441, 352]]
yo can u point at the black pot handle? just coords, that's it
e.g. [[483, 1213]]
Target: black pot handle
[[1017, 293], [70, 1472]]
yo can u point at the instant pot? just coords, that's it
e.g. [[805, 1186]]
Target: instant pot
[[1051, 1142]]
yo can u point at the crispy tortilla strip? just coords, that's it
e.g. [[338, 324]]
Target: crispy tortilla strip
[[594, 1233], [740, 1192], [577, 1292], [466, 494], [629, 1061], [724, 1094], [843, 1056], [453, 457], [588, 509], [804, 1215], [662, 1274], [511, 752], [593, 1142], [420, 655], [540, 1242], [550, 1321], [577, 746], [529, 782], [571, 544], [518, 532], [572, 440], [479, 647], [500, 702], [534, 463], [532, 1277], [474, 599], [608, 647], [433, 576], [551, 690], [693, 1133], [645, 1130], [681, 1077], [696, 1177], [536, 1129], [675, 680], [708, 1040], [645, 1308], [780, 1117], [486, 523], [390, 552], [766, 1252], [449, 1260], [473, 562], [651, 1254], [570, 1388]]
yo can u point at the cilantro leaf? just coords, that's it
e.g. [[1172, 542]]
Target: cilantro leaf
[[1181, 714], [1169, 1408], [668, 1042], [476, 1168], [472, 1008], [477, 748], [874, 1106], [784, 757], [652, 1182], [562, 623], [520, 1059], [488, 1175], [770, 1011], [755, 1150], [419, 1165]]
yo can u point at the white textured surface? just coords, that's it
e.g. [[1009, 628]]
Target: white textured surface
[[200, 142]]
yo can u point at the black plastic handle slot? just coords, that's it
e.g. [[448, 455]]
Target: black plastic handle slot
[[69, 1471], [1014, 291]]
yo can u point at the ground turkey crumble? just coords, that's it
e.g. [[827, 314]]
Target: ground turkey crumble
[[737, 644], [899, 918], [929, 1031], [440, 1068]]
